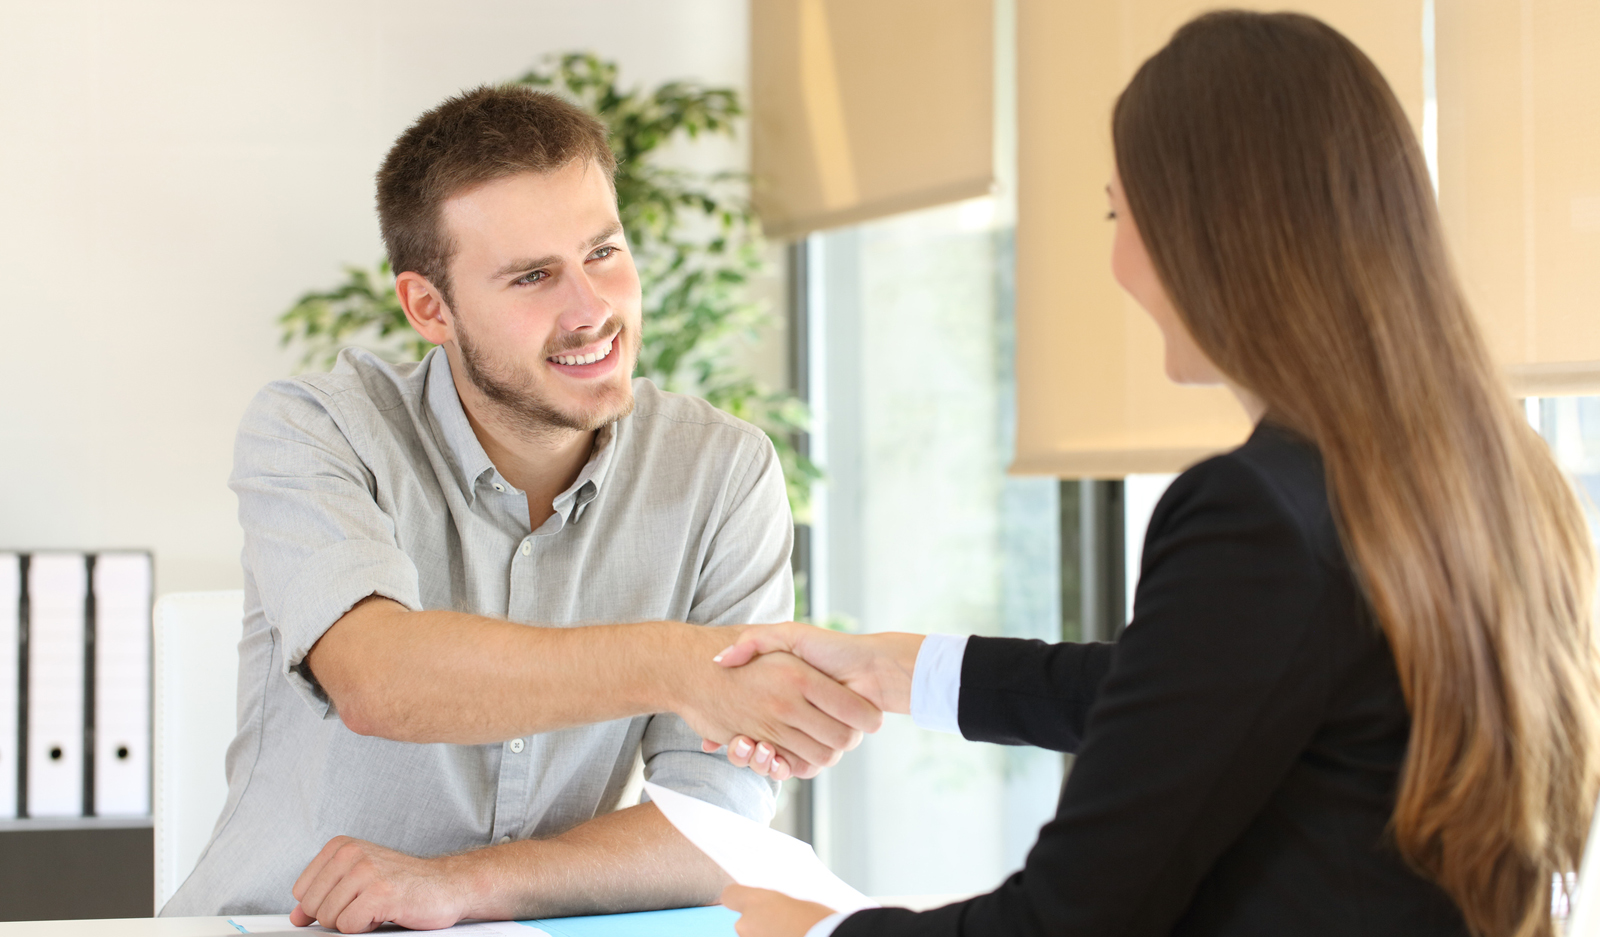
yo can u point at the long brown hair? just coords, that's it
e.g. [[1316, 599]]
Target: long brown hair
[[1286, 207]]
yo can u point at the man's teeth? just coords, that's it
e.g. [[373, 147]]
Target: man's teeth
[[584, 359]]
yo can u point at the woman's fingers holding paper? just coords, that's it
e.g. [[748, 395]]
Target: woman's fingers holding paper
[[767, 913]]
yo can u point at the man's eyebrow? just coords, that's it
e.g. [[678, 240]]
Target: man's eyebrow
[[521, 266], [611, 231], [516, 267]]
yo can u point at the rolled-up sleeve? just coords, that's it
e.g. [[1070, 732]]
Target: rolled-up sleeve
[[315, 538], [745, 578], [673, 759]]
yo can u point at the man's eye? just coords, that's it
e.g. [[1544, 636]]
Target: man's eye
[[603, 253], [533, 277]]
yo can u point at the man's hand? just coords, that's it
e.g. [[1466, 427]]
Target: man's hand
[[877, 667], [806, 717], [632, 859], [766, 913], [354, 886]]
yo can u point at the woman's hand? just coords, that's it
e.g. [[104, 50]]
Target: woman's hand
[[767, 913], [744, 752], [878, 667]]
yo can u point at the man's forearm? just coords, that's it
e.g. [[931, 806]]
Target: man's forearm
[[631, 860], [437, 676]]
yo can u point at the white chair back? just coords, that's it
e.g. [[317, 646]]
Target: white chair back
[[1583, 919], [196, 676]]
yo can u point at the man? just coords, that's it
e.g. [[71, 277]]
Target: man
[[410, 749]]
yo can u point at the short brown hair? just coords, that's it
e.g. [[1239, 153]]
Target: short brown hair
[[475, 137]]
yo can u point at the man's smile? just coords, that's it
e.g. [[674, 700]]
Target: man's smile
[[589, 361]]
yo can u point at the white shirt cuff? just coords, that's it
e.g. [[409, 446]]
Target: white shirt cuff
[[825, 927], [936, 683]]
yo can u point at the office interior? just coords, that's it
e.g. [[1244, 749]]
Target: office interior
[[987, 413]]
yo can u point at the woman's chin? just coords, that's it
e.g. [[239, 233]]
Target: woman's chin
[[1193, 377]]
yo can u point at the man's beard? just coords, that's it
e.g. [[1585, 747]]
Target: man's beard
[[513, 390]]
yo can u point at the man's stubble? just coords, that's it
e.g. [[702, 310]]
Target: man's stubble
[[513, 391]]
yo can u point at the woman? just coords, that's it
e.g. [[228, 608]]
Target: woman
[[1358, 695]]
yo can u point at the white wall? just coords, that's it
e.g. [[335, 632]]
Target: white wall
[[174, 174]]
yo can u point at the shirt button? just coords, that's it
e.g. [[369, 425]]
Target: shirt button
[[526, 548], [516, 746], [504, 840], [499, 487]]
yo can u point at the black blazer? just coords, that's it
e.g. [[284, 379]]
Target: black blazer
[[1238, 749]]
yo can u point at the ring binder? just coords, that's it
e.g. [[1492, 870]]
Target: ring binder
[[10, 688], [121, 751], [75, 684], [57, 596]]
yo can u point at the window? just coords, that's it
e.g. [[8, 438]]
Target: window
[[1571, 425], [918, 528]]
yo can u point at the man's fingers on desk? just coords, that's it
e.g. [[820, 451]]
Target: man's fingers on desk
[[318, 887], [354, 886], [313, 869], [348, 907]]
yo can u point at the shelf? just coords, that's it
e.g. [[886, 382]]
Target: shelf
[[76, 867], [36, 824]]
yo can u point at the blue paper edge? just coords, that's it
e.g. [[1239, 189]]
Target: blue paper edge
[[553, 925]]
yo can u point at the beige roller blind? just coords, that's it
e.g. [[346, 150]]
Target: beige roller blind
[[1093, 399], [865, 108], [1519, 180]]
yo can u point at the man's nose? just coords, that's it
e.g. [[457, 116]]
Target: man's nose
[[583, 306]]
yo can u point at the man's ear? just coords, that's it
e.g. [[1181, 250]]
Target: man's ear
[[425, 307]]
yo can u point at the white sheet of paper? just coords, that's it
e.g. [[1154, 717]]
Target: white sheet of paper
[[754, 855], [280, 924]]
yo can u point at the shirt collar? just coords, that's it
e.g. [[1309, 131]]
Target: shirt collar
[[467, 459], [570, 504], [469, 463]]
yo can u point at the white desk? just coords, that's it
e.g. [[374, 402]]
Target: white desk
[[123, 927], [219, 926]]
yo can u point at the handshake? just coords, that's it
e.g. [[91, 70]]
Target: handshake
[[788, 700]]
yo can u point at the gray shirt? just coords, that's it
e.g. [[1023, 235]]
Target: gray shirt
[[369, 480]]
